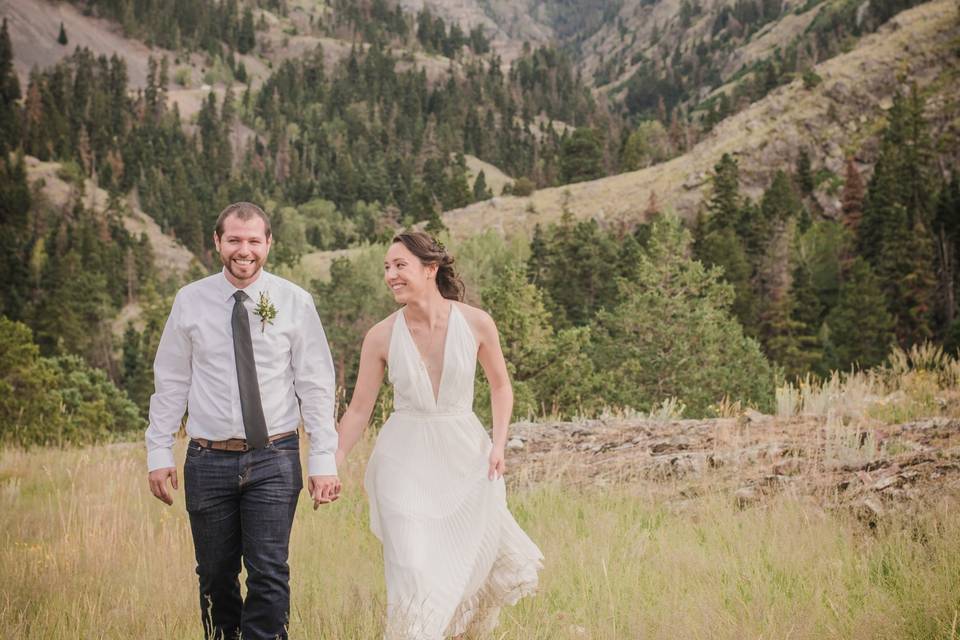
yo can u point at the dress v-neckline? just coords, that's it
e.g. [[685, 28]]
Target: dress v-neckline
[[423, 364]]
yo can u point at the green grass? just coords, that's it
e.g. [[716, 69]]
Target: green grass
[[86, 552]]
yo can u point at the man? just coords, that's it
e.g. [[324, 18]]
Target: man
[[239, 349]]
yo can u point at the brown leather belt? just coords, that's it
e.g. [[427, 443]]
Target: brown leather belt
[[236, 444]]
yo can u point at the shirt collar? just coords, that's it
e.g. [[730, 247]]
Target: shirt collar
[[253, 290]]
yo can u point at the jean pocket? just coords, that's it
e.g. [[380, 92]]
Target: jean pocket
[[194, 450], [286, 445]]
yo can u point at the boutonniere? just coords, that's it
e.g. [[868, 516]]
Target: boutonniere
[[266, 311]]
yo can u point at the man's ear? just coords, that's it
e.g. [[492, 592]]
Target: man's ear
[[216, 241]]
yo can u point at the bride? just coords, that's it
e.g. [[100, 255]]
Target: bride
[[452, 552]]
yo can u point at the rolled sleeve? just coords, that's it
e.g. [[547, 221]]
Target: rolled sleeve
[[315, 386], [171, 374]]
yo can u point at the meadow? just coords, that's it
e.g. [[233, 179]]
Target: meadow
[[87, 552]]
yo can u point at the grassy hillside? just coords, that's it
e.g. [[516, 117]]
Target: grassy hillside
[[832, 120]]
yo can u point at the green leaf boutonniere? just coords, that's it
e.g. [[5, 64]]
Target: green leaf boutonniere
[[266, 311]]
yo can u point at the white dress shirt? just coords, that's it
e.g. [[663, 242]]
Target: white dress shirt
[[195, 370]]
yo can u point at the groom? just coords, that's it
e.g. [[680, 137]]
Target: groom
[[244, 351]]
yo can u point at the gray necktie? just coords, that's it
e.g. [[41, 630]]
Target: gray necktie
[[254, 424]]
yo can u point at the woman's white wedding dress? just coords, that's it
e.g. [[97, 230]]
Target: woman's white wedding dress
[[452, 552]]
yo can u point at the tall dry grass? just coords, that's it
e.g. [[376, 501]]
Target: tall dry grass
[[86, 552], [917, 383]]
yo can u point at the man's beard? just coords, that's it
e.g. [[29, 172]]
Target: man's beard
[[228, 263]]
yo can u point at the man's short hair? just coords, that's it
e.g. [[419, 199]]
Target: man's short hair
[[244, 211]]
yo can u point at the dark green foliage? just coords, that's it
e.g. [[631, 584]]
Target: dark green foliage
[[894, 234], [723, 248], [804, 173], [548, 83], [724, 203], [581, 156], [480, 189], [780, 201], [56, 400], [15, 238], [671, 335], [351, 302], [9, 95], [62, 36], [946, 228], [576, 265], [550, 371], [138, 351], [858, 330], [67, 275], [788, 341], [365, 135], [433, 35], [246, 36], [811, 79], [522, 187]]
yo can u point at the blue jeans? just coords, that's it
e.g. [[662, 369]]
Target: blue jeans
[[241, 506]]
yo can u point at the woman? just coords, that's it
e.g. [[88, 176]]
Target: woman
[[452, 552]]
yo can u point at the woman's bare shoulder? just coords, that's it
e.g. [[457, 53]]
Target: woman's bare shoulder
[[379, 334], [479, 320]]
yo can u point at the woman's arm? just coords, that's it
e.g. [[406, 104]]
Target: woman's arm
[[490, 355], [369, 378]]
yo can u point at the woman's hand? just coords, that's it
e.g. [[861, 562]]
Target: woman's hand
[[497, 464]]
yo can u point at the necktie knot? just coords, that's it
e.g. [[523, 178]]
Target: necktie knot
[[240, 295]]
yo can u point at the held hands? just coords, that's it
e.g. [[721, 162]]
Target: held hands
[[323, 489], [497, 464], [158, 483]]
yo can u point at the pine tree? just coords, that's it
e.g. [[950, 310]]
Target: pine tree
[[894, 233], [787, 341], [775, 232], [946, 226], [547, 369], [780, 200], [724, 203], [670, 334], [137, 378], [807, 307], [9, 95], [456, 192], [859, 329], [62, 37], [581, 157], [480, 189], [246, 36], [15, 238], [151, 92], [804, 173]]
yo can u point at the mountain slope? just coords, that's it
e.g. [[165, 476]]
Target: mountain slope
[[836, 118]]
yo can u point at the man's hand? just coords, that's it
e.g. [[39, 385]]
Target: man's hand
[[323, 489], [158, 483]]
